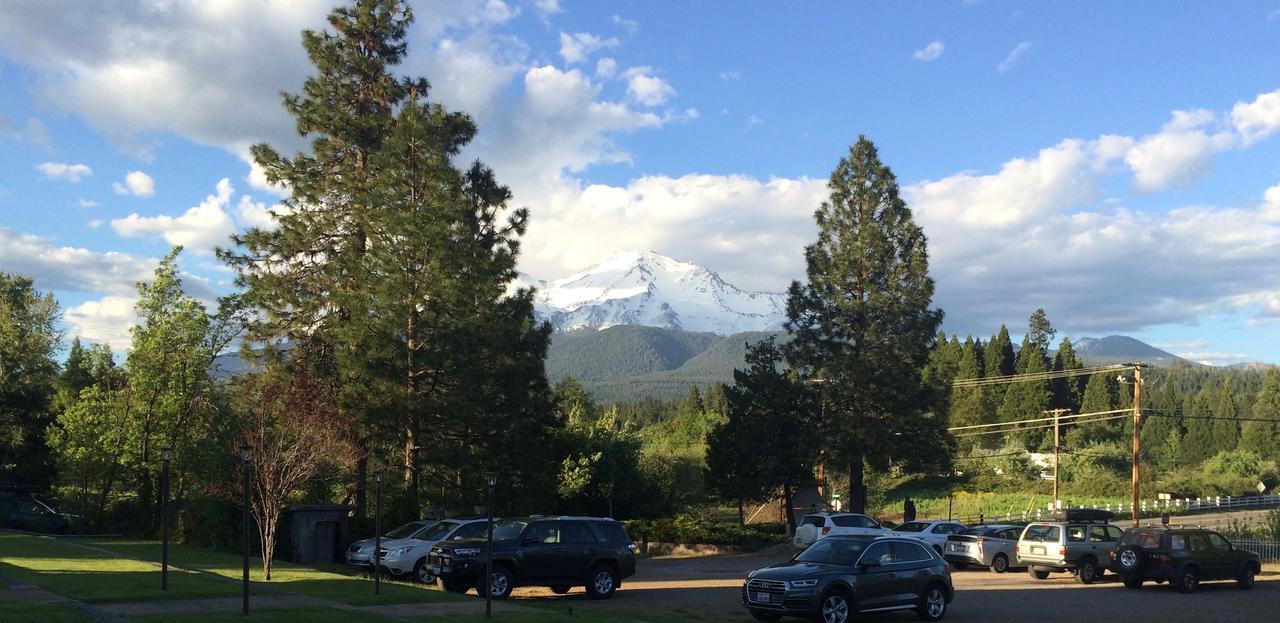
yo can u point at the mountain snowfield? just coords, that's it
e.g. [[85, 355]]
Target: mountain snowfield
[[645, 288]]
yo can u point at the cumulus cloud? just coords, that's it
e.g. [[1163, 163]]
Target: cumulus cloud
[[199, 229], [86, 203], [578, 47], [1198, 344], [1014, 56], [71, 269], [730, 76], [1257, 119], [606, 68], [646, 88], [628, 26], [63, 171], [136, 183], [1180, 153], [929, 52], [106, 321], [547, 7]]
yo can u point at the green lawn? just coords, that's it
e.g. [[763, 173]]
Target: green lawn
[[266, 615], [12, 611], [92, 577], [594, 615], [347, 589]]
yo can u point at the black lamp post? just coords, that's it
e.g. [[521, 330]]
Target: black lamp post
[[244, 458], [165, 455], [377, 534], [492, 480]]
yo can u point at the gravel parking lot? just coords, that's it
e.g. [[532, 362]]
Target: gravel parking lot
[[706, 589]]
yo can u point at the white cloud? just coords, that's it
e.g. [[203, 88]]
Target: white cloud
[[105, 321], [199, 229], [578, 47], [1015, 54], [929, 52], [1271, 204], [256, 214], [606, 68], [1179, 154], [1196, 345], [86, 203], [136, 183], [628, 26], [71, 269], [547, 7], [1257, 119], [730, 76], [95, 223], [1216, 358], [646, 88], [63, 171]]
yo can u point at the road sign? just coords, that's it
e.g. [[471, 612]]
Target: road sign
[[1165, 496], [1262, 488]]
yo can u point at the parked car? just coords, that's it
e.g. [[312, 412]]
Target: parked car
[[360, 553], [1078, 542], [21, 510], [987, 546], [1181, 556], [840, 576], [817, 525], [556, 552], [934, 533], [409, 556]]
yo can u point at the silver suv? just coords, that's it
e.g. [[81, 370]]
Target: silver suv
[[1078, 543]]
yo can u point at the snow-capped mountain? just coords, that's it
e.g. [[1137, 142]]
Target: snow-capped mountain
[[645, 288]]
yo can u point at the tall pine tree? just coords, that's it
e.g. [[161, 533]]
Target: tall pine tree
[[1262, 433], [864, 323]]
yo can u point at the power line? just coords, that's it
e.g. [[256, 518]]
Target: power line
[[1038, 427], [1036, 376], [1044, 419]]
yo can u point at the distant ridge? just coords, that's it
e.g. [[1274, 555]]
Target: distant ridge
[[1124, 349]]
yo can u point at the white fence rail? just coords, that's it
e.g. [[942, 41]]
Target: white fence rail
[[1268, 551], [1146, 507]]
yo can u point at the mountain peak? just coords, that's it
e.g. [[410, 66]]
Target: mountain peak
[[651, 289]]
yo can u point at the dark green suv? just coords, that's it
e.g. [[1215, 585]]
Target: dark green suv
[[1183, 557]]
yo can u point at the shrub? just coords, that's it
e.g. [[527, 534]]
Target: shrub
[[696, 529], [211, 523]]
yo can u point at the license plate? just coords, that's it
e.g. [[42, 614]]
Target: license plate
[[1037, 550], [760, 598], [956, 547]]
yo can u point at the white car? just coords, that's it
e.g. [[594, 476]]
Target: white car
[[817, 525], [934, 533], [408, 556]]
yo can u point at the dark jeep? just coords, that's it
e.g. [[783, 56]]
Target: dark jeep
[[1181, 556]]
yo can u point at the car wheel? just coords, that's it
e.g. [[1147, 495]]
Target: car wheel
[[454, 586], [835, 608], [1134, 582], [1247, 576], [1038, 574], [560, 589], [500, 583], [421, 574], [602, 582], [1087, 572], [933, 603], [1000, 563], [761, 615], [1189, 581]]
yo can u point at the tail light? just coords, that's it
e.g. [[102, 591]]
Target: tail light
[[1017, 549], [1164, 559], [1062, 551], [826, 530], [1111, 553]]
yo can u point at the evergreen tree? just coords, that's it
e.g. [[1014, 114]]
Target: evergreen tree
[[1262, 434], [1102, 393], [1198, 443], [864, 325], [999, 355], [77, 374], [1068, 393], [691, 405], [1226, 425], [969, 405], [1026, 400]]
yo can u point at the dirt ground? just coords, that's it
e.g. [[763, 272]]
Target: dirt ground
[[707, 588]]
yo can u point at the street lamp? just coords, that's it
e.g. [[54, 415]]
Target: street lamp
[[244, 459], [165, 455], [492, 480], [377, 534]]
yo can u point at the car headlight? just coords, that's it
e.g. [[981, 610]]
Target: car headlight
[[398, 552], [466, 552], [803, 583]]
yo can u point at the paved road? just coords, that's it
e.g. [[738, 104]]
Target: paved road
[[706, 589]]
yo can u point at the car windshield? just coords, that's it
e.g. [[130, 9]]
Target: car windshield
[[984, 531], [912, 526], [1146, 539], [405, 531], [1051, 534], [437, 532], [832, 552], [509, 530]]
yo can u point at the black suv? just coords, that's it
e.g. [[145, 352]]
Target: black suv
[[1181, 556], [556, 552], [20, 510], [839, 576]]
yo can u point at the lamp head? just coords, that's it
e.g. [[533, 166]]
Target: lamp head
[[166, 453], [491, 478], [244, 452], [377, 477]]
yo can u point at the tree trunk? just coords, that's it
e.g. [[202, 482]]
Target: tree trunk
[[788, 515], [742, 515], [268, 532], [857, 486]]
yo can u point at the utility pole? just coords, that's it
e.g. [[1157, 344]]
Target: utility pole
[[1057, 446], [1137, 421]]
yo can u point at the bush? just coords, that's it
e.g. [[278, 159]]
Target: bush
[[695, 529], [211, 523]]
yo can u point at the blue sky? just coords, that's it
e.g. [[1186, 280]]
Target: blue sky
[[1110, 162]]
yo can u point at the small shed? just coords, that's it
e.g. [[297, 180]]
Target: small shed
[[315, 533]]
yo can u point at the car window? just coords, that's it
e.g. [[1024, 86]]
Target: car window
[[908, 552], [30, 507], [1177, 543], [947, 528], [1219, 544], [844, 521], [1113, 533], [611, 531], [1075, 533], [1043, 534], [813, 520], [437, 532], [912, 526], [1098, 534], [1197, 542], [508, 530], [472, 530], [878, 552], [1145, 539], [1008, 533], [833, 551], [546, 532], [576, 532]]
